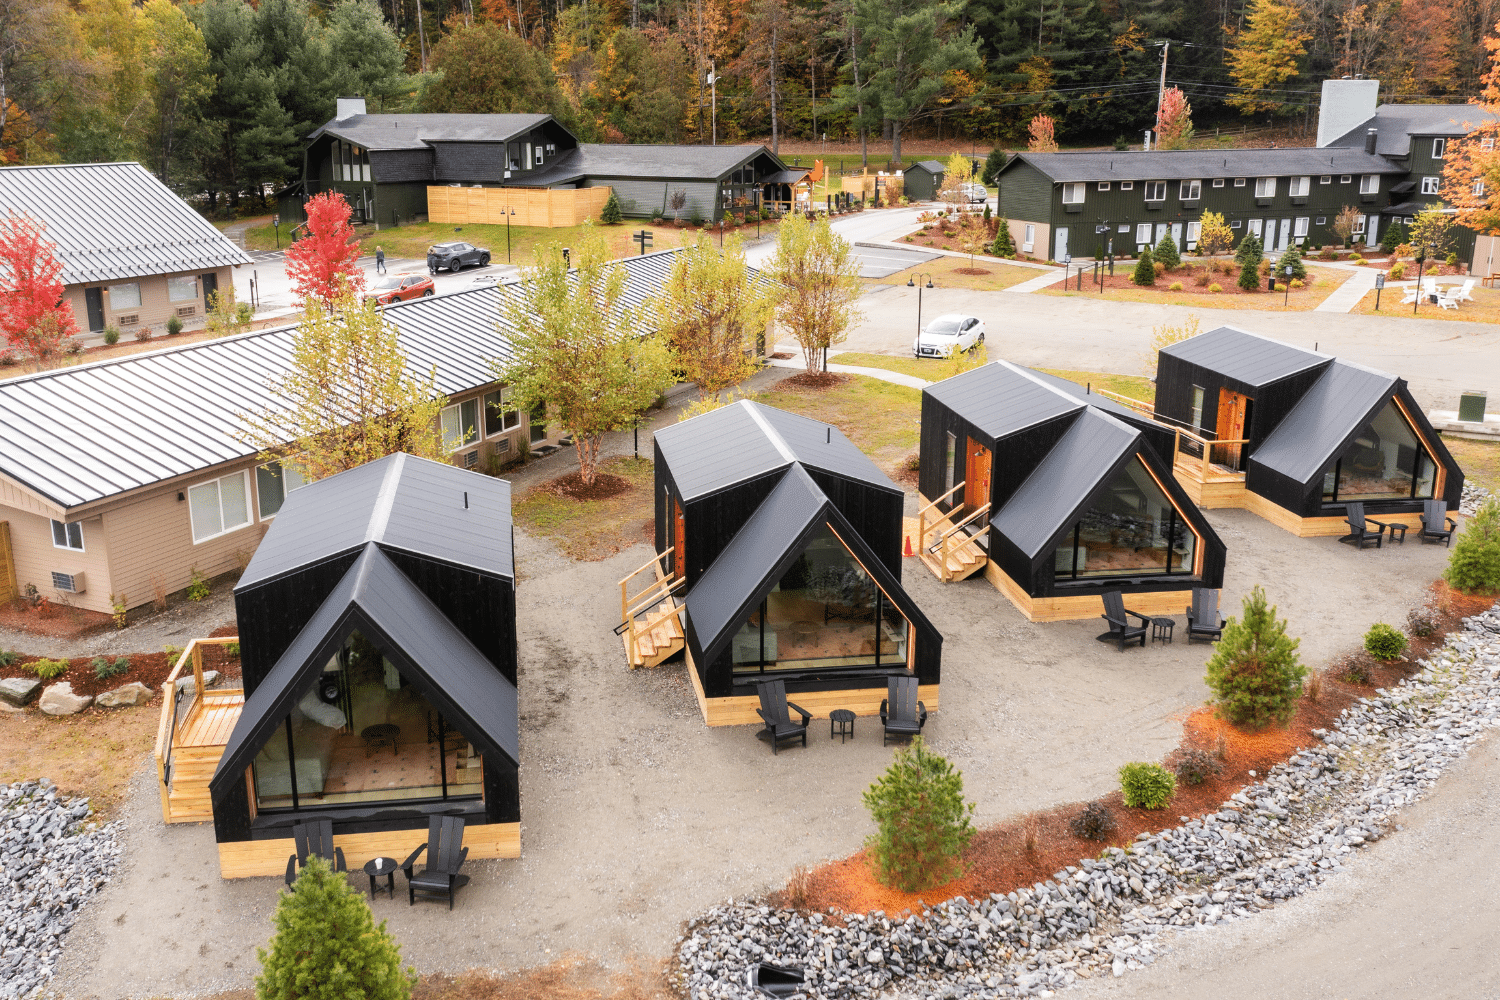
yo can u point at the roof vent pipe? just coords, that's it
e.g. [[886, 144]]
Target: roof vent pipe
[[1370, 135]]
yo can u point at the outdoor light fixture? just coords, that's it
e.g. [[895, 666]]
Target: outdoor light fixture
[[912, 283]]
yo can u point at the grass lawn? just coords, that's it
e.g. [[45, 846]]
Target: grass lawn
[[94, 753], [1480, 460], [412, 241], [1322, 283], [592, 529], [882, 419], [944, 271], [1134, 386], [1484, 309]]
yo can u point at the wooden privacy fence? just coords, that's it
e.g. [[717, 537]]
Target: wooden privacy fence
[[542, 207]]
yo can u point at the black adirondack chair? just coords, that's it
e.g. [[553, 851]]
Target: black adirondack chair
[[776, 711], [1118, 616], [1203, 619], [902, 715], [1437, 526], [1360, 531], [315, 837], [445, 856]]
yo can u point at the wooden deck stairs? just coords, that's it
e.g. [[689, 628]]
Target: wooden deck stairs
[[945, 546], [191, 736], [651, 619]]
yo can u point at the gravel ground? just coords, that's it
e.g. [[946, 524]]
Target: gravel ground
[[175, 626]]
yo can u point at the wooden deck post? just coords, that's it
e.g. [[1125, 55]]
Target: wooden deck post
[[197, 652]]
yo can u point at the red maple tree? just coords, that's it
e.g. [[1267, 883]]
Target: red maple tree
[[33, 317], [1043, 135], [322, 265]]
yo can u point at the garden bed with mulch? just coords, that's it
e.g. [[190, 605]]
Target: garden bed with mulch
[[150, 669], [812, 382], [1031, 848], [52, 620]]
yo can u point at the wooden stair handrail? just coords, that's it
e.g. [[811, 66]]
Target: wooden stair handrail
[[957, 527], [940, 499], [1142, 407], [637, 630], [646, 602], [164, 733], [654, 560]]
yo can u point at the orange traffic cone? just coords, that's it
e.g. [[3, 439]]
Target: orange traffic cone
[[908, 552]]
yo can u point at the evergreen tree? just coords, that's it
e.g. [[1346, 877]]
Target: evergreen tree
[[992, 165], [611, 215], [327, 946], [1395, 235], [1249, 252], [1249, 275], [1004, 245], [1292, 257], [1255, 673], [923, 823], [1145, 270], [484, 69], [1166, 251], [1474, 566]]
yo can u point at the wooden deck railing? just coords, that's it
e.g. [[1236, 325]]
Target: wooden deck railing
[[1206, 459], [922, 528], [660, 590], [173, 715], [1140, 406]]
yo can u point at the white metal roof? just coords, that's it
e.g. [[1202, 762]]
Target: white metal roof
[[115, 221]]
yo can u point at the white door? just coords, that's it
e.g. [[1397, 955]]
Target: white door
[[1062, 244], [1286, 234], [1177, 234], [1372, 226], [1254, 225]]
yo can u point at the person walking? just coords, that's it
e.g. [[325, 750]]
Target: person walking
[[380, 260]]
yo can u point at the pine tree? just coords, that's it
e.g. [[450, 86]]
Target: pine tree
[[1249, 274], [611, 215], [1292, 258], [1145, 270], [1255, 673], [992, 165], [1004, 245], [1395, 235], [327, 946], [922, 819], [1249, 252], [1474, 566], [1166, 251]]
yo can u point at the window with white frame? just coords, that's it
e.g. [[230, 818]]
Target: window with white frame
[[1234, 224], [1369, 183], [67, 536], [1127, 185], [1479, 188], [1218, 182], [1189, 190], [1265, 187], [1345, 178], [273, 482], [1156, 190], [538, 155], [1193, 229], [1124, 227], [126, 295], [1430, 185], [1300, 187], [460, 424], [1030, 237], [219, 506], [1326, 179], [1321, 220], [182, 289], [1104, 185], [1239, 182], [500, 412], [1487, 144], [1406, 221], [1300, 227], [1072, 194], [1439, 148], [1359, 225], [1143, 232]]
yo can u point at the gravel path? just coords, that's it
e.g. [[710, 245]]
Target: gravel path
[[175, 626]]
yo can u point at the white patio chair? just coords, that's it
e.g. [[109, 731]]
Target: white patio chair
[[1409, 294], [1465, 294], [1448, 299]]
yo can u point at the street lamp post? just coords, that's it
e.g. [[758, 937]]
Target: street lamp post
[[1421, 263], [913, 283], [1286, 295], [507, 233]]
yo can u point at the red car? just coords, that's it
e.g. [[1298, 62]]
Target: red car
[[399, 288]]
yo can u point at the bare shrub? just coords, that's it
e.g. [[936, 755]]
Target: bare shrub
[[1315, 685], [1195, 767], [799, 887], [1096, 822], [158, 592]]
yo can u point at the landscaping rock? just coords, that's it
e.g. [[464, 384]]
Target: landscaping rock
[[134, 693], [210, 678], [19, 691], [59, 699], [1271, 841]]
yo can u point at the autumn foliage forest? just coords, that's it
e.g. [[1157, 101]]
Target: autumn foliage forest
[[216, 96]]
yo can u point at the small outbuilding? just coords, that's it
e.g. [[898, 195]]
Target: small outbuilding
[[1295, 435], [786, 540], [924, 180], [1056, 494], [378, 647]]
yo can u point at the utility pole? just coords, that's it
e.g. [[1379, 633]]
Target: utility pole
[[713, 83], [1161, 89]]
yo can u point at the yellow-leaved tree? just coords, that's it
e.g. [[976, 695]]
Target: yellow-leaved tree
[[958, 171], [817, 283], [1263, 57], [1214, 234]]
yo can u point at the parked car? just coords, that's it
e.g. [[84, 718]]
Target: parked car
[[399, 288], [456, 256], [948, 333], [976, 194]]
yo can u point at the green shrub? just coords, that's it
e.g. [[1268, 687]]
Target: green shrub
[[986, 212], [119, 610], [1394, 237], [48, 669], [1004, 245], [1121, 144], [1451, 260], [1255, 673], [328, 946], [923, 823], [243, 314], [8, 658], [199, 588], [1175, 286], [1249, 251], [105, 668], [1147, 786], [1384, 642], [1096, 822], [173, 652], [232, 650], [111, 335], [174, 325], [1145, 270], [1293, 258], [1216, 287], [1398, 271], [1166, 251], [1474, 566], [1249, 278], [611, 215]]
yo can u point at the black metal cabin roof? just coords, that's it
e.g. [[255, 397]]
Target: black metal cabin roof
[[399, 502], [377, 600], [1050, 496], [746, 440], [1002, 399], [1335, 407], [1245, 357]]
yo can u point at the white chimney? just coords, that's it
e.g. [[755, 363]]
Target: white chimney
[[349, 107], [1347, 104]]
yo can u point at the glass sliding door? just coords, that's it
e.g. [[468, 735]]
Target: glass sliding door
[[1385, 461]]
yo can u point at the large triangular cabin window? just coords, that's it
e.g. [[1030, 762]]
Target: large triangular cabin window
[[1131, 529]]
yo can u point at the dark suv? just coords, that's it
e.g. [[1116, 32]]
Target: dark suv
[[456, 256]]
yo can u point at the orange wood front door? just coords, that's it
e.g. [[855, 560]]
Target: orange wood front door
[[1233, 408], [976, 476], [679, 554]]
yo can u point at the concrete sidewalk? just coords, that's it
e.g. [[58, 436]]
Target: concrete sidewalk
[[1348, 295], [1038, 283]]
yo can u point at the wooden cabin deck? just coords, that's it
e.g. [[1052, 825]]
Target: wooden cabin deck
[[191, 736], [945, 547], [1210, 478], [651, 620]]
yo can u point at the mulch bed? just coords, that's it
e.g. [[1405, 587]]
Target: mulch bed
[[151, 669], [1186, 275], [572, 486], [907, 472], [812, 382], [1029, 849], [56, 621], [971, 270], [783, 356]]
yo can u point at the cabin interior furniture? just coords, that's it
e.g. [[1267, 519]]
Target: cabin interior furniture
[[313, 838], [1360, 533], [776, 711], [1118, 616], [445, 856], [1203, 621], [1437, 526], [902, 715]]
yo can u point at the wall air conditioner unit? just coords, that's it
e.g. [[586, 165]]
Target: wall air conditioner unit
[[68, 583]]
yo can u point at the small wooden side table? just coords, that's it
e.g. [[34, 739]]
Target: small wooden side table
[[841, 724], [377, 867]]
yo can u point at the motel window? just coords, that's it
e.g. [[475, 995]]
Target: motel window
[[1359, 225], [1487, 145], [1345, 178], [1299, 228], [1369, 183], [1030, 238], [273, 481], [1218, 182], [1196, 417], [1322, 220], [1072, 194], [1326, 179], [183, 289], [1143, 232], [67, 536], [219, 506], [1193, 231], [1265, 187], [1430, 185], [460, 424], [500, 413], [1479, 188], [1132, 530], [1300, 187], [538, 160], [1127, 185], [1104, 185], [1439, 148], [1156, 190], [125, 296], [1189, 190], [1234, 224], [1124, 227], [1239, 182]]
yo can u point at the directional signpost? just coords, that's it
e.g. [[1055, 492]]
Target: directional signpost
[[643, 237]]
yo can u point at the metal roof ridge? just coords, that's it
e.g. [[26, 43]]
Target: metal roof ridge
[[1258, 336], [385, 499], [1366, 369], [774, 436]]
